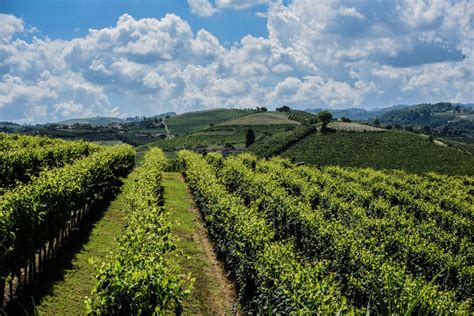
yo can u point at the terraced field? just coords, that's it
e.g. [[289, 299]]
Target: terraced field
[[354, 127], [261, 118], [194, 121]]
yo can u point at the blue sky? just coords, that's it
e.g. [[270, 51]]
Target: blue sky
[[63, 59], [68, 19]]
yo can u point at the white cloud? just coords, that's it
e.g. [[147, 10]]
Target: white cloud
[[239, 4], [345, 11], [9, 26], [330, 53], [202, 7]]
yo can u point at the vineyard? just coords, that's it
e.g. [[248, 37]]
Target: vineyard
[[36, 217], [293, 239], [138, 279], [300, 239]]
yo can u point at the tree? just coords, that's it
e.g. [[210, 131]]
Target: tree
[[284, 108], [345, 119], [249, 138], [324, 117], [377, 122]]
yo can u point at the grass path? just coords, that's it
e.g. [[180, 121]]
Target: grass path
[[212, 293], [66, 295]]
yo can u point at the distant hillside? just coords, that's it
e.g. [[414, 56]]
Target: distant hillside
[[218, 137], [10, 126], [94, 121], [354, 127], [357, 114], [262, 118], [194, 121], [279, 142], [387, 150], [444, 119], [164, 115]]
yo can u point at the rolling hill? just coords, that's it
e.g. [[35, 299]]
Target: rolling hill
[[194, 121], [94, 121], [262, 118], [387, 150], [358, 114], [442, 119], [218, 137]]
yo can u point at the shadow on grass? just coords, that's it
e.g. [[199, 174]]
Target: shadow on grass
[[55, 268]]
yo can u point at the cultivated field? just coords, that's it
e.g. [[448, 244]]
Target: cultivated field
[[261, 119], [387, 150], [88, 232], [354, 127]]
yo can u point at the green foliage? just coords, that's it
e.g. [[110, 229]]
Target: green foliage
[[442, 118], [279, 142], [324, 117], [284, 108], [249, 137], [138, 280], [34, 214], [270, 275], [389, 150], [388, 237], [22, 157]]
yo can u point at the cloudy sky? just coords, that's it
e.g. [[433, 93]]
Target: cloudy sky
[[63, 59]]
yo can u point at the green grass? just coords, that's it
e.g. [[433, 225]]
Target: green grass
[[388, 150], [66, 295], [195, 121], [211, 293]]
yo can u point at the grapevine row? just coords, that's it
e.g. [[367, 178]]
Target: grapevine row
[[36, 218], [357, 261], [138, 281], [18, 141], [423, 247], [270, 275], [21, 159]]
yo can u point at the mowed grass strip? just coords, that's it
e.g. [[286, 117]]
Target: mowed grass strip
[[212, 292], [66, 295]]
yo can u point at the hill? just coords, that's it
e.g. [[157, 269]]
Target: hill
[[94, 121], [262, 118], [444, 119], [358, 114], [388, 150], [194, 121], [279, 142], [219, 137], [354, 127], [164, 115]]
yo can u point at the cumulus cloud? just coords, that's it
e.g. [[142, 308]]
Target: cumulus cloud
[[202, 7], [325, 53], [239, 4], [10, 25]]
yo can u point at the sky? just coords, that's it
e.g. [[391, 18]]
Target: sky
[[66, 59]]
